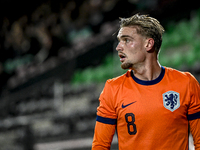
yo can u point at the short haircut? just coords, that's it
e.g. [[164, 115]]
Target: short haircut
[[146, 26]]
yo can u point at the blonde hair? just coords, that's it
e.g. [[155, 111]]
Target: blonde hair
[[146, 26]]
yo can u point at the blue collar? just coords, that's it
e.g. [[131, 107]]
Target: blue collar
[[152, 82]]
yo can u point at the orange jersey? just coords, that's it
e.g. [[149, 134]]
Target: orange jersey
[[149, 115]]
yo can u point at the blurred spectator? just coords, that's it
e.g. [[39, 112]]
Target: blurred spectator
[[44, 28]]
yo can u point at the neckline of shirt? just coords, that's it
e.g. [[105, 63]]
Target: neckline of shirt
[[152, 82]]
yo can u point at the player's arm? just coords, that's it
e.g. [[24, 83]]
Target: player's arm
[[194, 111], [103, 136], [195, 130], [106, 120]]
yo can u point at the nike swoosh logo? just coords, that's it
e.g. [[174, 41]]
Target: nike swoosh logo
[[124, 106]]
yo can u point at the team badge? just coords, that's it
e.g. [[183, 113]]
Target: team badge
[[171, 100]]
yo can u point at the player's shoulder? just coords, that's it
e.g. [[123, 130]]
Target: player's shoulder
[[180, 75], [116, 81]]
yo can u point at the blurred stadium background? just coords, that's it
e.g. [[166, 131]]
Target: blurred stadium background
[[55, 56]]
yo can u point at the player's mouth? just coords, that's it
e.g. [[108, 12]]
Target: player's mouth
[[122, 56]]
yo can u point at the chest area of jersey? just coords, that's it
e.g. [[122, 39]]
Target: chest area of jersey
[[157, 103]]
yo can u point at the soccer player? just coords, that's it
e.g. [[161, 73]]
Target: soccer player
[[151, 107]]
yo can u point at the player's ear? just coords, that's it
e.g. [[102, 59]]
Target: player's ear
[[149, 44]]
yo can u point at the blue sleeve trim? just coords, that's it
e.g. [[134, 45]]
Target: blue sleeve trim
[[106, 120], [194, 116]]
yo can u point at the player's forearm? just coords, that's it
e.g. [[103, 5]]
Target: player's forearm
[[195, 130], [197, 146], [103, 136], [96, 146]]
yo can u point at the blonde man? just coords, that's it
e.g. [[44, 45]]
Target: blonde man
[[151, 107]]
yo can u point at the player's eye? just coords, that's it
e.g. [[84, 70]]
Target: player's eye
[[126, 40]]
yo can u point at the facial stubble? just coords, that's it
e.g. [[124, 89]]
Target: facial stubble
[[126, 65]]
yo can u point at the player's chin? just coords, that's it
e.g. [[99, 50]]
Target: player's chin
[[126, 65]]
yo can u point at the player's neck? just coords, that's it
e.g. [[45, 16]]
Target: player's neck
[[148, 71]]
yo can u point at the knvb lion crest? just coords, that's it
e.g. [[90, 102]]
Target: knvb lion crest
[[171, 100]]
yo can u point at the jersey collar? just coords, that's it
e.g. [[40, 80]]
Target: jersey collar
[[152, 82]]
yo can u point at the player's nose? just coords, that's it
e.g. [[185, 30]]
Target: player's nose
[[119, 47]]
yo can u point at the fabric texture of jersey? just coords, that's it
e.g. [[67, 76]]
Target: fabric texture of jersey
[[150, 115]]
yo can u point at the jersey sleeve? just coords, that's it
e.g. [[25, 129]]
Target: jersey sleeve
[[106, 120], [106, 111], [195, 130], [194, 107], [103, 135], [194, 111]]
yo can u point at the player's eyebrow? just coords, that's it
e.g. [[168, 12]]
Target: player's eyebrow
[[124, 36]]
